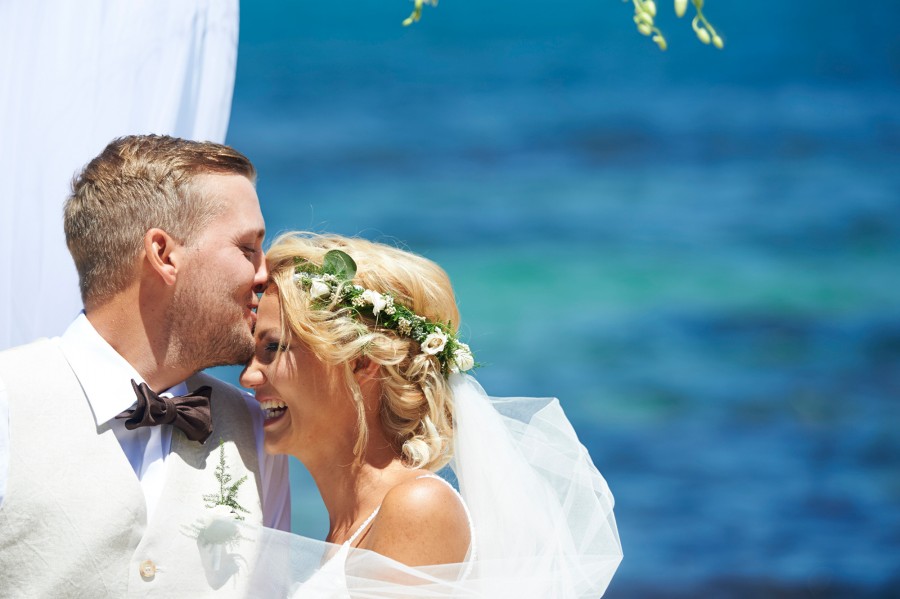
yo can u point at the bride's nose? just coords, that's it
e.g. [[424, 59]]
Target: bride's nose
[[252, 376]]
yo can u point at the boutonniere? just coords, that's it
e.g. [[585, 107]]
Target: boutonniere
[[218, 528]]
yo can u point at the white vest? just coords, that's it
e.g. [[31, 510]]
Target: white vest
[[74, 521]]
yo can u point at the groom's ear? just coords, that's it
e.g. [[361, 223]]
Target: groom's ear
[[161, 252]]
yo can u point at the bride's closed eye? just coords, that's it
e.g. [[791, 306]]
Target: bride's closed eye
[[266, 351], [275, 346]]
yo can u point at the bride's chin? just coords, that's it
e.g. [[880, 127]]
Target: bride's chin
[[273, 444]]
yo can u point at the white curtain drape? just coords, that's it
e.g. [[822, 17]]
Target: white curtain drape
[[74, 75]]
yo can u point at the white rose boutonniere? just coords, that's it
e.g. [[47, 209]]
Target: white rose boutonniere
[[218, 527], [434, 343]]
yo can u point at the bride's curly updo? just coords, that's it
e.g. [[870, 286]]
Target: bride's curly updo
[[416, 404]]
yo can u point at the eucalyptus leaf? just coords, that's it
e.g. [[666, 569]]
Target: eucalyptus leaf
[[339, 264]]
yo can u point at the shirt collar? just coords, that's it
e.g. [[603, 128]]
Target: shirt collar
[[105, 376]]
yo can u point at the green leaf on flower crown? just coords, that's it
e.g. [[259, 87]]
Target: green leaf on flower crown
[[302, 265], [339, 264]]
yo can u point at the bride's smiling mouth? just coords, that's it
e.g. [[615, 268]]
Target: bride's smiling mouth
[[273, 409]]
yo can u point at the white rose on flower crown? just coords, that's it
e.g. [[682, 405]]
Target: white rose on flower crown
[[434, 343], [319, 289], [463, 358], [377, 300]]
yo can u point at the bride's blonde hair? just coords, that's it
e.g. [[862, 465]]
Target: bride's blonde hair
[[416, 404]]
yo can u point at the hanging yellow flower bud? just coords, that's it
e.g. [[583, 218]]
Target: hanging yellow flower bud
[[417, 11], [702, 33], [643, 17]]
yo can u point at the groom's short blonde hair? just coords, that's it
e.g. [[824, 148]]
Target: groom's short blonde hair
[[139, 182]]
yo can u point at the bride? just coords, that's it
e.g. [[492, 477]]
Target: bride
[[360, 372]]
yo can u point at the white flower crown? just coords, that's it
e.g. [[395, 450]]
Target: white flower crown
[[330, 286]]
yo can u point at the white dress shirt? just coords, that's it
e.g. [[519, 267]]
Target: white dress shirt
[[105, 377]]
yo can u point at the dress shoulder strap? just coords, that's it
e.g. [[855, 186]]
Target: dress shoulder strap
[[362, 526]]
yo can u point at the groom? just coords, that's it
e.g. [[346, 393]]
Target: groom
[[99, 498]]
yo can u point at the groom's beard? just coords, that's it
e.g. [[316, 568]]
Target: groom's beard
[[208, 326]]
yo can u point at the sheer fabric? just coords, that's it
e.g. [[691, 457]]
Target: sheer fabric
[[75, 75], [541, 511]]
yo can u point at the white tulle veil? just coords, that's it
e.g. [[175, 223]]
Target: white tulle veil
[[542, 516]]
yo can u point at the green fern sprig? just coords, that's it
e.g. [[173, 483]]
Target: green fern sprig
[[227, 494]]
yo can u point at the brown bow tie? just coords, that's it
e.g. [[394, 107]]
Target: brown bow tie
[[190, 413]]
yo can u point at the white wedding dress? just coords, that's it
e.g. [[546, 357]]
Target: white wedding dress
[[539, 509], [330, 581]]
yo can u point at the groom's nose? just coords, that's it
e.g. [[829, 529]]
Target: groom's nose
[[261, 276]]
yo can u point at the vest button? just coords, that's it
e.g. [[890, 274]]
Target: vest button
[[147, 569]]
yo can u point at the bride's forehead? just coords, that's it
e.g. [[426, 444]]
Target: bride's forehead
[[269, 301], [268, 312]]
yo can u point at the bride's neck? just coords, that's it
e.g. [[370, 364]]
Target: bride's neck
[[352, 492]]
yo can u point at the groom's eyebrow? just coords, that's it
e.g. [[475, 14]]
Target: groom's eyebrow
[[245, 236]]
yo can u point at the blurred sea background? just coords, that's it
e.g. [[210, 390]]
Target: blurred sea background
[[697, 251]]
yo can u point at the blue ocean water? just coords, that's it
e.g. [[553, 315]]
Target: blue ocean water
[[696, 251]]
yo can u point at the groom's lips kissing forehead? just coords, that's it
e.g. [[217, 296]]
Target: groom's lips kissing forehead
[[251, 308]]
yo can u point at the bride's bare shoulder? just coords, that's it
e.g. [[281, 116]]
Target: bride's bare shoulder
[[422, 521]]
